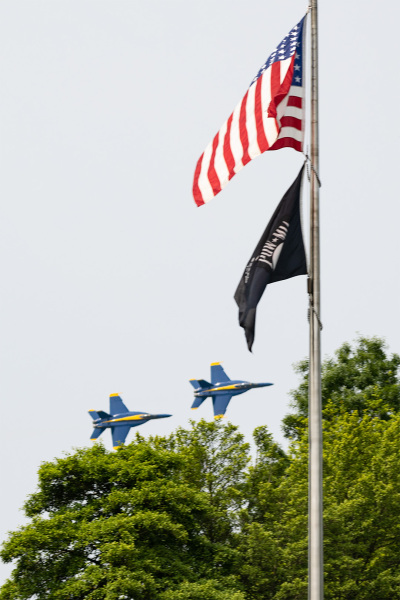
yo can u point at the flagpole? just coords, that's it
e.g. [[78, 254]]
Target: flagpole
[[315, 517]]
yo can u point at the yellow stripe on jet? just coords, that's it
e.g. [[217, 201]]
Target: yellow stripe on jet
[[221, 389], [134, 418], [215, 364], [111, 395]]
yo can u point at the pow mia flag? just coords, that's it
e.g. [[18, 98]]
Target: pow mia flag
[[279, 255]]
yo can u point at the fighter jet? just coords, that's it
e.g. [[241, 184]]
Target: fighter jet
[[221, 389], [120, 420]]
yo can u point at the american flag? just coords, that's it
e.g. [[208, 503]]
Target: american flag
[[270, 117]]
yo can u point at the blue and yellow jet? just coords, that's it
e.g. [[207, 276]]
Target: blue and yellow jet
[[221, 389], [120, 420]]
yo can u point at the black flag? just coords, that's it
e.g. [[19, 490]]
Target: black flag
[[279, 255]]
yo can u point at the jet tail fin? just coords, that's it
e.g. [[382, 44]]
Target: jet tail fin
[[97, 431], [99, 414], [200, 383], [104, 415]]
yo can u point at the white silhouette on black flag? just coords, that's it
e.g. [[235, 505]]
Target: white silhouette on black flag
[[279, 255]]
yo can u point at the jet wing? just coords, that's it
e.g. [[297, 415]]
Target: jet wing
[[221, 404], [116, 405], [218, 374], [119, 435]]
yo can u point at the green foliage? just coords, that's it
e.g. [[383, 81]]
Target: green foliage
[[191, 516], [203, 590], [133, 523], [356, 379], [361, 516], [362, 506], [215, 459]]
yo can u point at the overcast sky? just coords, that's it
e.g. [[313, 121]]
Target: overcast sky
[[112, 280]]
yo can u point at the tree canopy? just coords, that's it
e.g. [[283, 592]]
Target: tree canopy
[[196, 515], [360, 377]]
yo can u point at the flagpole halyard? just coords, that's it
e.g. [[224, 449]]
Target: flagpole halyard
[[315, 516]]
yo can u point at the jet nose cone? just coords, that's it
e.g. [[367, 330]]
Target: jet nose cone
[[262, 384], [161, 416]]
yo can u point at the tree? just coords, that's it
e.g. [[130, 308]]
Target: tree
[[354, 380], [216, 458], [125, 524], [261, 553], [362, 505], [361, 515], [361, 421]]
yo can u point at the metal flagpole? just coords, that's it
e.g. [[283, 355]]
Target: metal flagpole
[[315, 523]]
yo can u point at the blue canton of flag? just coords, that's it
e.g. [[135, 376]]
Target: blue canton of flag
[[288, 46]]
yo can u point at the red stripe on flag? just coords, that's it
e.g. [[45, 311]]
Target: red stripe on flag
[[295, 101], [212, 174], [198, 198], [287, 142], [261, 138], [279, 93], [275, 87], [291, 122], [228, 156], [244, 138]]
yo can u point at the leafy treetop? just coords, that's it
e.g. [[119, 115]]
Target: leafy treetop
[[361, 377]]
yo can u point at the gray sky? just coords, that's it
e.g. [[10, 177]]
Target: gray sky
[[112, 279]]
